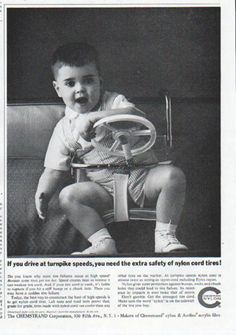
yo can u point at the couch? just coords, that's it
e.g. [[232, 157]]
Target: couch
[[196, 144]]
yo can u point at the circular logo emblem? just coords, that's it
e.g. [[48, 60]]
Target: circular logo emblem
[[209, 297]]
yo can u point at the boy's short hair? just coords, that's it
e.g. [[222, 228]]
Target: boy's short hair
[[74, 54]]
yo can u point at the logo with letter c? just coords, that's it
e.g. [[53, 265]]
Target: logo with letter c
[[208, 299]]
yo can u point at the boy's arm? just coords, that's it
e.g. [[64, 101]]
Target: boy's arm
[[87, 120], [49, 181]]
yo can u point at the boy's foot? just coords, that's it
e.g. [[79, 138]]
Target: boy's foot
[[165, 239], [105, 247]]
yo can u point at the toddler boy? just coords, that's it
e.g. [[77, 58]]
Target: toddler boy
[[78, 81]]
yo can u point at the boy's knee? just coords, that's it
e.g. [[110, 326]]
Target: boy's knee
[[80, 195], [70, 194], [66, 197], [175, 175]]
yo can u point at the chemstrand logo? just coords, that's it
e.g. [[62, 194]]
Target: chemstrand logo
[[209, 297]]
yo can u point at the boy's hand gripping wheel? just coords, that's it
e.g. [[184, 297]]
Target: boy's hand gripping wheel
[[122, 147]]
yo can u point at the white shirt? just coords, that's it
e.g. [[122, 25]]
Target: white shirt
[[59, 149]]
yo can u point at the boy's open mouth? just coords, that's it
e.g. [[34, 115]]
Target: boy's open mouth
[[82, 100]]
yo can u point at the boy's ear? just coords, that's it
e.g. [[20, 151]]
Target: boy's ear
[[57, 88]]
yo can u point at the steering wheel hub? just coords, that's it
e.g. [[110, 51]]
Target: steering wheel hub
[[142, 129], [121, 134]]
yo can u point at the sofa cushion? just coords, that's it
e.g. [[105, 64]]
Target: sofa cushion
[[29, 128]]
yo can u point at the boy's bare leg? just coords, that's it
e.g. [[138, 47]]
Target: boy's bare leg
[[165, 186], [84, 203]]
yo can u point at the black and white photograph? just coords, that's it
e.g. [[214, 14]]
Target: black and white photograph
[[117, 172], [113, 131]]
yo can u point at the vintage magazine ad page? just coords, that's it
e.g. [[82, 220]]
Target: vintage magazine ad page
[[117, 172]]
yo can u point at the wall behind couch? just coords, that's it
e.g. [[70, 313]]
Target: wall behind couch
[[142, 49]]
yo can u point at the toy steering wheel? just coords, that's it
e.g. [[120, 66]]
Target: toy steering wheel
[[124, 136]]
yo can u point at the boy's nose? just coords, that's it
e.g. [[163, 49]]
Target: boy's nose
[[79, 88]]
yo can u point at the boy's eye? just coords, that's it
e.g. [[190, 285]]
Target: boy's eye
[[70, 83], [88, 80]]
